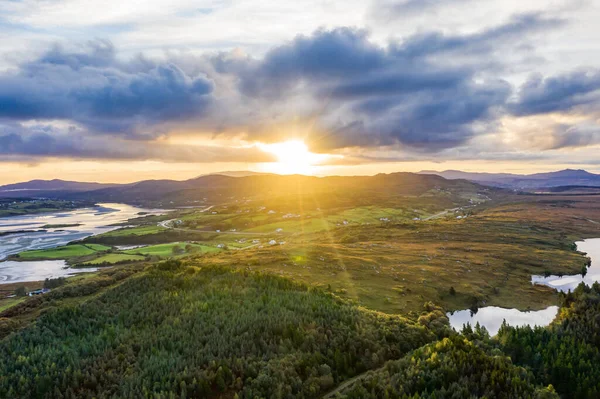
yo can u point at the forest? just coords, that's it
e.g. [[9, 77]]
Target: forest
[[183, 331], [561, 360], [179, 330]]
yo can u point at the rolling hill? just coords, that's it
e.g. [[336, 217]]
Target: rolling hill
[[218, 188], [46, 188]]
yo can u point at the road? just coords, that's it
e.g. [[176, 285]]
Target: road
[[167, 223], [437, 215], [347, 383]]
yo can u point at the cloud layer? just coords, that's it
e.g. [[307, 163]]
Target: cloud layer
[[430, 93]]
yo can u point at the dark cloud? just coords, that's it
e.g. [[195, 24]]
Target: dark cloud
[[563, 93], [99, 53], [579, 135], [94, 90], [44, 141], [335, 54], [482, 43], [382, 95]]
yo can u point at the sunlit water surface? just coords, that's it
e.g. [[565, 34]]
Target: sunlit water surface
[[91, 221]]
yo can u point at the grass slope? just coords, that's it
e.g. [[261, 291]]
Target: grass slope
[[113, 259]]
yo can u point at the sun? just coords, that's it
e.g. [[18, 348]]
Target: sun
[[293, 157]]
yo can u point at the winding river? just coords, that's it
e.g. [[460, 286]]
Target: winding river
[[491, 317], [88, 221]]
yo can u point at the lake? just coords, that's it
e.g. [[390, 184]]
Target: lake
[[491, 317], [569, 283], [90, 221]]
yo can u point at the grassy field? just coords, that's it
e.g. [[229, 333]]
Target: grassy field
[[19, 207], [10, 302], [136, 231], [397, 264], [64, 252], [167, 250], [487, 259], [393, 265], [114, 258]]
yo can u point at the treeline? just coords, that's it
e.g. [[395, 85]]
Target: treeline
[[181, 331], [454, 367], [565, 354]]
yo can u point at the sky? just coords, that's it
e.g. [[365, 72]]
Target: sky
[[125, 90]]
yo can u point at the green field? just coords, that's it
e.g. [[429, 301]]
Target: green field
[[19, 207], [114, 258], [138, 231], [166, 250], [9, 302], [98, 247], [64, 252], [486, 259]]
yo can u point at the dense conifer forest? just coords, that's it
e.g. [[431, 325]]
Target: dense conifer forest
[[177, 330], [566, 354]]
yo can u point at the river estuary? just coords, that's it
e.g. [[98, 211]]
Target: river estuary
[[89, 221]]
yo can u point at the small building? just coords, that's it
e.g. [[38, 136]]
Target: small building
[[38, 292]]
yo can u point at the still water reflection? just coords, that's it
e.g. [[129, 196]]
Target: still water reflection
[[491, 317]]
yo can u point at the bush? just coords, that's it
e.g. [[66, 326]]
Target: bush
[[54, 282], [21, 291]]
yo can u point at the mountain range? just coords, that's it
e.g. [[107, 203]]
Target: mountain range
[[567, 177], [217, 187], [209, 187]]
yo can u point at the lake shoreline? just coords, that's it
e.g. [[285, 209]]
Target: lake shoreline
[[491, 317]]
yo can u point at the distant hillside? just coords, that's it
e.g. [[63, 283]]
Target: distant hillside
[[36, 187], [237, 173], [569, 190], [316, 191], [567, 177]]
